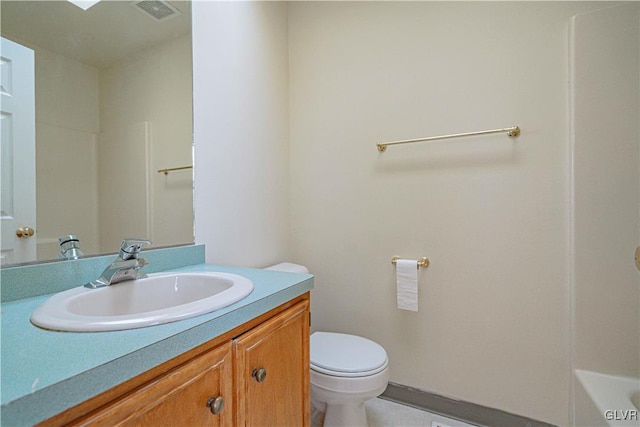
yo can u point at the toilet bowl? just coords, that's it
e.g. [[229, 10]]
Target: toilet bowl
[[345, 371]]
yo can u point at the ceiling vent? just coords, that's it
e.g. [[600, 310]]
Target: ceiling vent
[[156, 9]]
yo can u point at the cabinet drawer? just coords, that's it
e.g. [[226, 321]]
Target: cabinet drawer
[[177, 398]]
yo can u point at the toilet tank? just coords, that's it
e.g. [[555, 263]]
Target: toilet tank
[[289, 267]]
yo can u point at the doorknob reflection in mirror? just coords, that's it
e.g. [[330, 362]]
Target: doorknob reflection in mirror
[[24, 232]]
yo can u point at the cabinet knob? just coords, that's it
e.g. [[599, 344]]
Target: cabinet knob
[[259, 374], [216, 404]]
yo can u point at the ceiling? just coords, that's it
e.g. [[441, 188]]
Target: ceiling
[[100, 36]]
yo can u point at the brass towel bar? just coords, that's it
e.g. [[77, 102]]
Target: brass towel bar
[[512, 131], [166, 171], [422, 262]]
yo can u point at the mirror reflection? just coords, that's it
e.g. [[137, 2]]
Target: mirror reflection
[[113, 106]]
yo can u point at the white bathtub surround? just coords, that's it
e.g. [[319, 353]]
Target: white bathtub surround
[[606, 400], [605, 59], [605, 285]]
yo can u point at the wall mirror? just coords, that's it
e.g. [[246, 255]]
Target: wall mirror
[[113, 106]]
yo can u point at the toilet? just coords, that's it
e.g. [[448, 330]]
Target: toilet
[[346, 371]]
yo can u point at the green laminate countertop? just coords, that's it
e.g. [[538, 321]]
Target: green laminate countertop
[[44, 372]]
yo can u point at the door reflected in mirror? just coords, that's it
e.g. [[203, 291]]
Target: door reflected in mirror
[[113, 106]]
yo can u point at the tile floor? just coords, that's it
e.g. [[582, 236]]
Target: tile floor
[[384, 413]]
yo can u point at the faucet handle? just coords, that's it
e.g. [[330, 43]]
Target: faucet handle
[[130, 248]]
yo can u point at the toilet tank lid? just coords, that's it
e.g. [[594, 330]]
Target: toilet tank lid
[[289, 267], [346, 353]]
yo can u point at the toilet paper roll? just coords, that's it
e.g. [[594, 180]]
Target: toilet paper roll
[[407, 284]]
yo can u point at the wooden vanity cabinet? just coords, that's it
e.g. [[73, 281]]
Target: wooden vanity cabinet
[[260, 370], [271, 373], [177, 398]]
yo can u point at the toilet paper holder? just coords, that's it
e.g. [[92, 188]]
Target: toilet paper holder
[[422, 262]]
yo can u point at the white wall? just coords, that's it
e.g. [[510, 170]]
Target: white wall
[[241, 131], [606, 153]]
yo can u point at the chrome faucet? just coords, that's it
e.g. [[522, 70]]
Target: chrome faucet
[[125, 267], [69, 247]]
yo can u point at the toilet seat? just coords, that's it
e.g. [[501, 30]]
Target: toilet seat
[[344, 355]]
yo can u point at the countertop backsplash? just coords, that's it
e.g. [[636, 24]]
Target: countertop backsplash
[[30, 280]]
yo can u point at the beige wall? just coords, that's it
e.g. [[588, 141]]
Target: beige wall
[[605, 60], [155, 87], [124, 173], [67, 119], [241, 131], [491, 213]]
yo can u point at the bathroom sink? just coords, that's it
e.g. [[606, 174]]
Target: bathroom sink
[[156, 299]]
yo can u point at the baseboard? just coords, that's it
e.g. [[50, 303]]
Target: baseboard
[[467, 412]]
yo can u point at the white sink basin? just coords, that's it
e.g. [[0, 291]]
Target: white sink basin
[[159, 298]]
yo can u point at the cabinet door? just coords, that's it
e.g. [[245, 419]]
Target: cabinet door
[[279, 347], [177, 398]]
